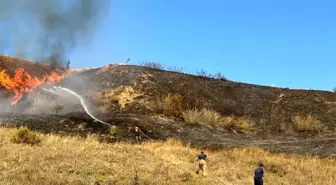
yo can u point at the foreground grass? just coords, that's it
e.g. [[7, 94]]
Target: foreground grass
[[71, 160]]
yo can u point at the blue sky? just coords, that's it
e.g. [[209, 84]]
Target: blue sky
[[287, 43]]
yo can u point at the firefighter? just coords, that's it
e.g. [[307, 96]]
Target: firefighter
[[201, 162], [259, 175], [137, 133]]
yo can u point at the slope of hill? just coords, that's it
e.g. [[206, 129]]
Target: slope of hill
[[157, 102], [10, 64]]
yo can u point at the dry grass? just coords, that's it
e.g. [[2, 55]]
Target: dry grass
[[211, 117], [72, 160], [192, 116], [170, 105], [238, 124], [307, 124], [23, 135], [203, 116], [114, 99]]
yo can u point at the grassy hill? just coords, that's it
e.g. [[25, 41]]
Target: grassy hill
[[237, 124], [136, 89], [205, 112]]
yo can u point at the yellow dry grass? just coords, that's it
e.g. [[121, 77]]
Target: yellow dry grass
[[122, 96], [192, 116], [211, 117], [239, 124], [307, 124], [203, 116], [72, 160], [170, 105]]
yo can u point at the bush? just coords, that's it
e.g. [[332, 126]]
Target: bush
[[154, 65], [170, 105], [205, 74], [115, 132], [24, 135], [177, 69], [192, 116], [204, 116], [219, 75], [307, 124], [238, 124], [213, 118]]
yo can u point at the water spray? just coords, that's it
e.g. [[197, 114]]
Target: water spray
[[81, 99]]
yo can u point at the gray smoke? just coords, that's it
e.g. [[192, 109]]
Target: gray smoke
[[49, 30]]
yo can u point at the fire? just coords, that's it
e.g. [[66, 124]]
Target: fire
[[22, 82]]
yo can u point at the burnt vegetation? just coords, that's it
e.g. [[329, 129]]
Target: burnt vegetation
[[167, 102]]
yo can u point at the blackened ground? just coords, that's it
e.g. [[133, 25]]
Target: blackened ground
[[161, 129]]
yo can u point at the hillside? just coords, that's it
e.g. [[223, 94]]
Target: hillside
[[10, 64], [159, 103]]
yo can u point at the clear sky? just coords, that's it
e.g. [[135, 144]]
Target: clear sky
[[287, 43]]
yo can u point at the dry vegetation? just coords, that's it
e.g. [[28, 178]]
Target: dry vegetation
[[72, 160], [115, 98], [307, 124], [172, 105], [211, 117], [154, 65], [23, 135]]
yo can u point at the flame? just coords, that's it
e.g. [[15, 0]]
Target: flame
[[22, 82]]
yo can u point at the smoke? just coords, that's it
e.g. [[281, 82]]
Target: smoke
[[58, 90], [49, 30]]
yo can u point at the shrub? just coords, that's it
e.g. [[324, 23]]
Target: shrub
[[204, 116], [203, 73], [219, 75], [154, 65], [238, 124], [170, 105], [213, 118], [192, 116], [115, 132], [210, 116], [307, 124], [177, 69], [24, 135]]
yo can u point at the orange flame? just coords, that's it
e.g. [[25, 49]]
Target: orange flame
[[22, 82]]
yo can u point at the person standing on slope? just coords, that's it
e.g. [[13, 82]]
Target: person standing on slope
[[201, 162], [258, 175]]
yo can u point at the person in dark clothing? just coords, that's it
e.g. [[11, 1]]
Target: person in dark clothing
[[201, 162], [202, 156], [137, 133], [258, 175]]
